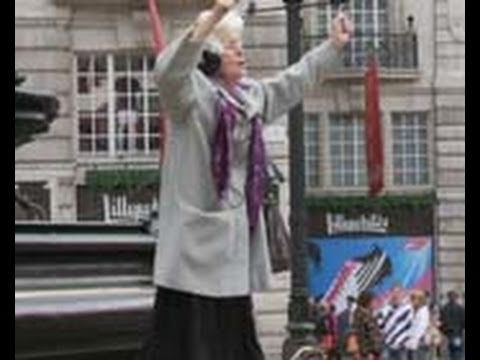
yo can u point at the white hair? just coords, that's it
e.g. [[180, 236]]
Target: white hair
[[230, 28]]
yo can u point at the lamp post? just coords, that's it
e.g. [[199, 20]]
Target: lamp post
[[300, 329]]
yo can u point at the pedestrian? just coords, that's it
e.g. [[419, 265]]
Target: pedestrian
[[331, 339], [344, 325], [433, 338], [321, 326], [366, 329], [416, 347], [394, 322], [212, 250], [452, 319], [311, 309], [345, 318]]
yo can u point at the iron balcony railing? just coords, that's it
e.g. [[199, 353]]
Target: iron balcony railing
[[394, 50]]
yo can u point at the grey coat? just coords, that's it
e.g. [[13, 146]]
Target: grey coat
[[204, 245]]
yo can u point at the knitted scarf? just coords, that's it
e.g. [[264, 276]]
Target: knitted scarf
[[222, 156]]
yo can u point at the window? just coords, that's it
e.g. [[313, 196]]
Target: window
[[312, 150], [371, 26], [117, 104], [345, 167], [370, 20], [347, 150], [410, 148]]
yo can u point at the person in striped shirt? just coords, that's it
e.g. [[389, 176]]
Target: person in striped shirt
[[395, 320], [417, 348]]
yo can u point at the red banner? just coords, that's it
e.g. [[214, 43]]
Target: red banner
[[373, 129], [157, 28]]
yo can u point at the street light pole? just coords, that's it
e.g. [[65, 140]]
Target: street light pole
[[299, 328]]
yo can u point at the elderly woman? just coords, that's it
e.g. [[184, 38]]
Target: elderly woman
[[212, 249]]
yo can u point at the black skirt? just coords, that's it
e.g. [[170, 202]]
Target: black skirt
[[192, 327]]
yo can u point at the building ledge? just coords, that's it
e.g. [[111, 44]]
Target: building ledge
[[358, 74], [117, 160], [332, 192]]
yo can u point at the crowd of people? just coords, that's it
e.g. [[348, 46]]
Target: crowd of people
[[408, 327]]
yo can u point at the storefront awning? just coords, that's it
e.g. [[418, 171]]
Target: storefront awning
[[121, 179]]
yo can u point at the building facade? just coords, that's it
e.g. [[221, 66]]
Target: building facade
[[96, 57], [449, 107], [421, 51]]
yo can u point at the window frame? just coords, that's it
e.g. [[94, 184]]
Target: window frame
[[320, 21], [146, 116], [429, 154], [324, 163], [356, 116], [316, 155]]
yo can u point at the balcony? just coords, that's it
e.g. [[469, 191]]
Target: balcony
[[397, 54]]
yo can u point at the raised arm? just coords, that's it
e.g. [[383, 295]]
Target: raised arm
[[286, 90], [175, 65]]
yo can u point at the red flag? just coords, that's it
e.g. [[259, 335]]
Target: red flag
[[157, 28], [373, 128], [158, 45]]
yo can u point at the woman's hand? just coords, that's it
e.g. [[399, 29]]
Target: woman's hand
[[225, 5], [342, 30], [207, 20]]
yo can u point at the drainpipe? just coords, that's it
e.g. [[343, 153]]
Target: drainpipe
[[434, 106]]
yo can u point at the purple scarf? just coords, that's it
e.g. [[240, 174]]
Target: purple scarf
[[222, 156]]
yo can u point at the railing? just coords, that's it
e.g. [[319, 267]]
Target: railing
[[394, 51]]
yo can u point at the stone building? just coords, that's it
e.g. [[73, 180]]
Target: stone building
[[420, 46], [95, 57]]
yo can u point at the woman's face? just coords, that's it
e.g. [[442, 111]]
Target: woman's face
[[232, 68]]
